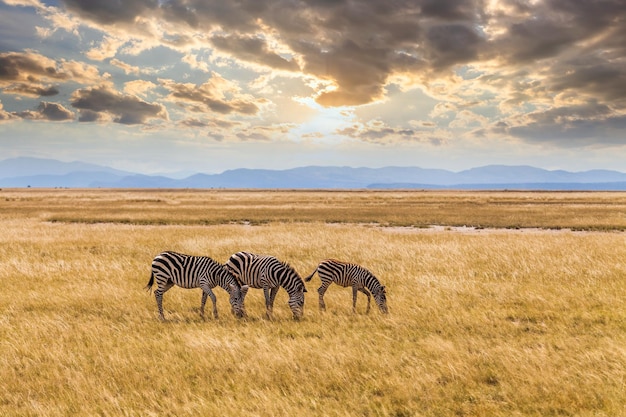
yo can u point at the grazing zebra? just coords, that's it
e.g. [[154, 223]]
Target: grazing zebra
[[267, 272], [186, 271], [348, 274]]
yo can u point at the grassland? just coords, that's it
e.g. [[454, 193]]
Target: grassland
[[524, 314]]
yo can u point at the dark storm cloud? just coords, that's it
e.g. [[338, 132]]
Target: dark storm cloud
[[451, 44], [568, 125], [111, 11], [451, 9], [552, 27], [96, 103], [592, 74]]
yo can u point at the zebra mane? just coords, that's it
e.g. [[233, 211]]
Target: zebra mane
[[288, 266], [374, 281], [228, 275]]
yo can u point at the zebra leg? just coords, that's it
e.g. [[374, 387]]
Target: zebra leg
[[207, 292], [366, 292], [354, 292], [158, 295], [273, 292], [268, 304], [321, 291], [202, 303]]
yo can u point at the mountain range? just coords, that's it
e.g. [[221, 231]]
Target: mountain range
[[49, 173]]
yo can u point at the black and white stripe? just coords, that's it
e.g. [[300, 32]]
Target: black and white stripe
[[348, 274], [187, 271], [268, 273]]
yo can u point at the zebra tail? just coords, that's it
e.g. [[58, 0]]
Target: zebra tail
[[307, 279], [150, 283]]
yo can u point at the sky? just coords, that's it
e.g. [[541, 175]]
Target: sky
[[180, 86]]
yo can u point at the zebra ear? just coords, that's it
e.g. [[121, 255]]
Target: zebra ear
[[244, 289], [304, 290]]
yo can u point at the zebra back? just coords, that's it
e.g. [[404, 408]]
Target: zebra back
[[188, 271]]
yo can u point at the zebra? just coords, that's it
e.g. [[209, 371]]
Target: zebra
[[268, 273], [349, 274], [187, 271]]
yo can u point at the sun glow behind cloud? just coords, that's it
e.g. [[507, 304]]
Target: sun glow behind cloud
[[324, 123]]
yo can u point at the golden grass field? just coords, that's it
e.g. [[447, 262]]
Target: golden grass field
[[514, 305]]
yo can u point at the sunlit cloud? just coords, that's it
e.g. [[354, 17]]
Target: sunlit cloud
[[216, 95], [107, 49], [4, 115], [139, 87]]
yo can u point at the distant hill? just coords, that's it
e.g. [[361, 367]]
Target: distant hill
[[34, 172], [40, 172]]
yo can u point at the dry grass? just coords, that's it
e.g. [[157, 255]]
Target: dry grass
[[552, 210], [504, 323]]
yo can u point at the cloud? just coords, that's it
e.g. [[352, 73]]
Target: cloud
[[217, 95], [468, 119], [111, 12], [377, 131], [47, 111], [100, 103], [28, 67], [594, 76], [570, 125], [5, 115], [33, 90], [107, 49], [25, 73], [139, 87], [212, 123], [253, 49], [451, 44], [262, 133], [128, 69]]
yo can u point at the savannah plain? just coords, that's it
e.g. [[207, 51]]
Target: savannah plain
[[501, 304]]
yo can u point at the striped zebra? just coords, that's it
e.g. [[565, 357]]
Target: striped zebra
[[268, 273], [348, 274], [187, 271]]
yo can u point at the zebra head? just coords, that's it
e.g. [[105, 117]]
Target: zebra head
[[237, 297], [296, 299], [294, 285], [380, 296], [296, 303]]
